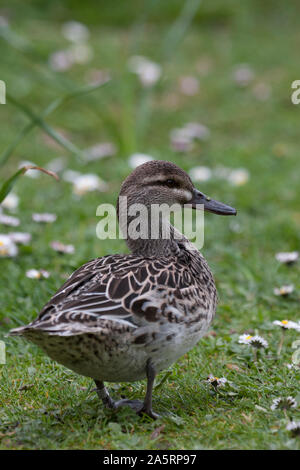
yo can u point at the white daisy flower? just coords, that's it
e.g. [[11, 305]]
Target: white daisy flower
[[148, 72], [245, 339], [258, 342], [7, 247], [200, 173], [293, 366], [11, 202], [181, 140], [189, 85], [284, 403], [37, 274], [61, 248], [287, 324], [216, 381], [87, 183], [254, 341], [294, 427], [137, 159], [243, 75], [196, 130], [284, 290], [46, 217], [61, 60], [75, 31], [98, 151], [287, 257], [20, 237], [238, 177], [9, 220]]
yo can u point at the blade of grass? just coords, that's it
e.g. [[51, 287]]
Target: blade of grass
[[63, 141], [10, 182], [50, 109], [179, 28]]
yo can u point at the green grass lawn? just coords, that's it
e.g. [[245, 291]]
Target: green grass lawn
[[46, 406]]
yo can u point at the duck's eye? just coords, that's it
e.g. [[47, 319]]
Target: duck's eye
[[170, 183]]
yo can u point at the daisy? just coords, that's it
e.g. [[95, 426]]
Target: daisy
[[137, 159], [284, 403], [148, 72], [200, 173], [61, 248], [37, 274], [257, 342], [20, 237], [243, 75], [181, 140], [11, 202], [216, 381], [238, 177], [294, 427], [9, 220], [60, 60], [287, 257], [105, 149], [87, 183], [75, 31], [7, 247], [245, 339], [44, 218], [287, 324], [196, 130], [284, 291]]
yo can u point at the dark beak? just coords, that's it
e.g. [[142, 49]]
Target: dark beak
[[209, 204]]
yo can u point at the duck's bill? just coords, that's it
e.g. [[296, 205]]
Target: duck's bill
[[201, 201]]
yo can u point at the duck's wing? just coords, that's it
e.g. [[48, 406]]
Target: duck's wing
[[126, 291]]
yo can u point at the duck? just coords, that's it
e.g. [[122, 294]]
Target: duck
[[127, 317]]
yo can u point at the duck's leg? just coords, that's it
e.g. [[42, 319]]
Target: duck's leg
[[103, 394], [147, 405], [108, 402], [138, 406]]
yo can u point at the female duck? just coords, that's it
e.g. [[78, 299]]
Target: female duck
[[122, 318]]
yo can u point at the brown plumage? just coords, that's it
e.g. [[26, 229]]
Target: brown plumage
[[125, 317]]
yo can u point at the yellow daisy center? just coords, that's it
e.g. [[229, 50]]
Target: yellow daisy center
[[284, 322]]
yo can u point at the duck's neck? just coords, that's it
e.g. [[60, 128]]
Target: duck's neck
[[150, 237]]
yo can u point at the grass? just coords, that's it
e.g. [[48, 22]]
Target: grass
[[44, 405]]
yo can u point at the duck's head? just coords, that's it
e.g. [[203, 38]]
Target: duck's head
[[162, 182]]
